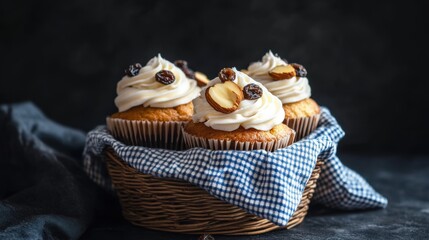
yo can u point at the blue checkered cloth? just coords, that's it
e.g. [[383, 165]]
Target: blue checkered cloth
[[267, 184]]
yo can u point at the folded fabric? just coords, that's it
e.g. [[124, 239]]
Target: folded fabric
[[267, 184], [44, 192]]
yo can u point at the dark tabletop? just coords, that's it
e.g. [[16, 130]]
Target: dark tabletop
[[402, 179]]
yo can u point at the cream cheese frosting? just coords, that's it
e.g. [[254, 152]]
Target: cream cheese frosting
[[289, 90], [262, 114], [143, 89]]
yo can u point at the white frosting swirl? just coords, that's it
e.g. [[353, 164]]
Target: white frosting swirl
[[143, 89], [259, 70], [289, 90], [263, 113]]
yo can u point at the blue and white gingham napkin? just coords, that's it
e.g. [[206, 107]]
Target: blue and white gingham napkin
[[267, 184]]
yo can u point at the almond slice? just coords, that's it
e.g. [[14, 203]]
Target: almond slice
[[224, 97], [282, 72], [201, 79]]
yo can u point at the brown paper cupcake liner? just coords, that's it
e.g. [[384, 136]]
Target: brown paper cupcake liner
[[156, 134], [192, 141], [302, 126]]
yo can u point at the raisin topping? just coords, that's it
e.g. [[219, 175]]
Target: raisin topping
[[133, 69], [299, 69], [226, 74], [252, 91], [183, 65], [165, 77]]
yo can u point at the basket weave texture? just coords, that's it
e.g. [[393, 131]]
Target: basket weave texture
[[177, 206]]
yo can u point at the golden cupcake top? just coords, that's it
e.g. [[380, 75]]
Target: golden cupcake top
[[286, 81], [233, 100], [278, 132], [158, 84]]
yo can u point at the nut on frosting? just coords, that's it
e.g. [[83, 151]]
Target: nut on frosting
[[262, 113], [224, 97], [289, 89]]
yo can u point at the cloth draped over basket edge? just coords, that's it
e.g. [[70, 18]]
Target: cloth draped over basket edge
[[267, 184]]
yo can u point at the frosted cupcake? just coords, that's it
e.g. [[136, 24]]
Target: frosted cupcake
[[289, 83], [234, 112], [153, 103]]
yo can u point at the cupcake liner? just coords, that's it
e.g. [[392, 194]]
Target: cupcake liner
[[156, 134], [192, 141], [302, 126]]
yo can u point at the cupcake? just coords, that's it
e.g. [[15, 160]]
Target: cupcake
[[234, 112], [153, 103], [289, 83]]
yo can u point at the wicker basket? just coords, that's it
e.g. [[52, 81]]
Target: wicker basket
[[178, 206]]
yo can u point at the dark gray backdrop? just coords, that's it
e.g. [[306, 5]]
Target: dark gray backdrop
[[367, 61]]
